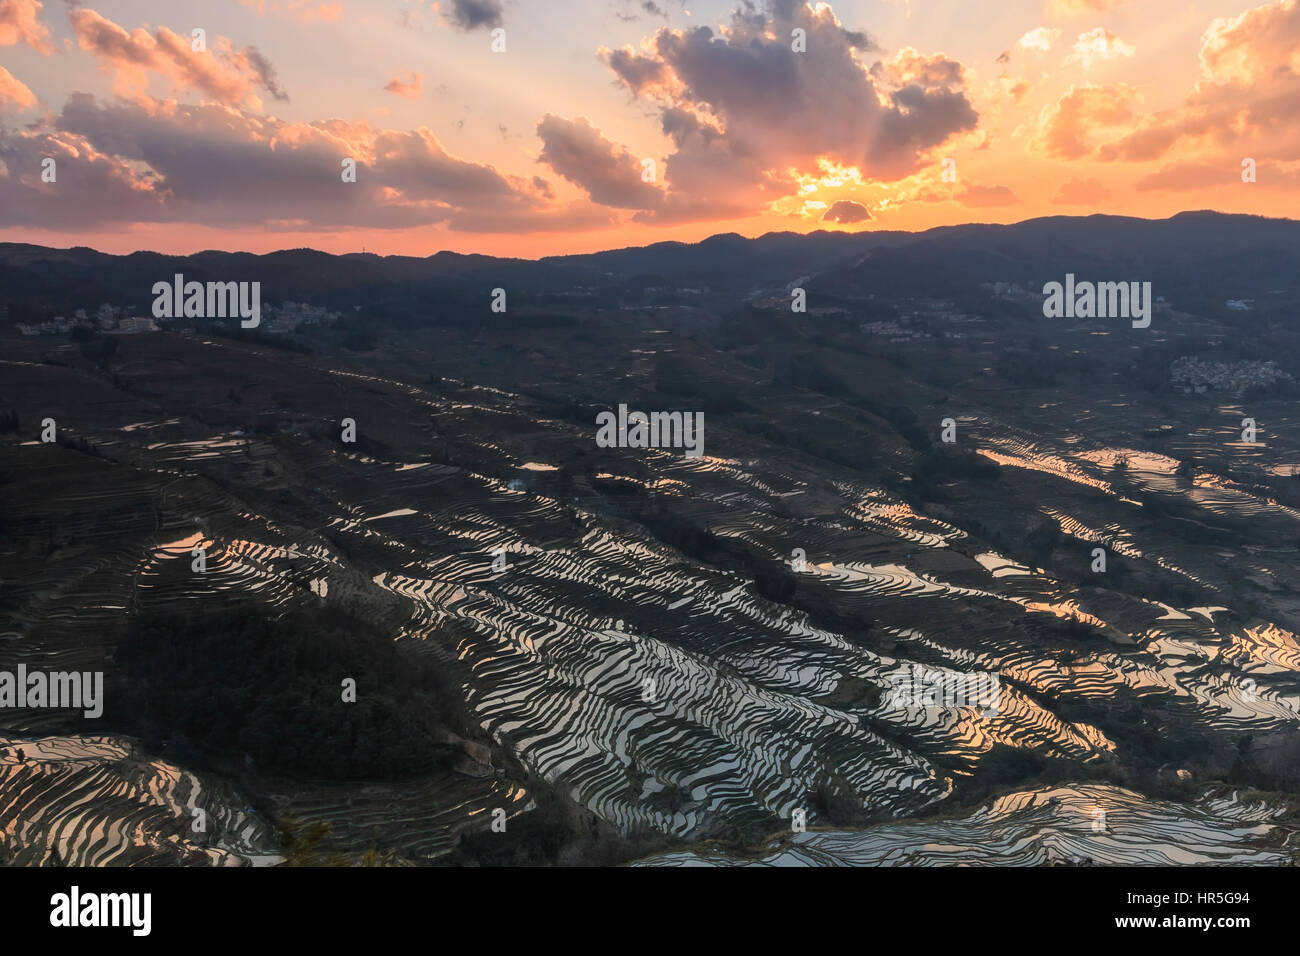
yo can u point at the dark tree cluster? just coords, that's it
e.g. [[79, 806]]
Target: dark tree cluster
[[237, 684]]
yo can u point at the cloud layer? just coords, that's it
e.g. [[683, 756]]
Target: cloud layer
[[777, 112], [779, 90]]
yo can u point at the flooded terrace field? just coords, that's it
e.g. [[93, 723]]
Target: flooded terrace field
[[694, 647]]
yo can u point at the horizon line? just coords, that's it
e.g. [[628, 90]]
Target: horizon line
[[664, 242]]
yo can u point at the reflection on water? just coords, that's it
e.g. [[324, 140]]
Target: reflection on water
[[97, 801], [1085, 824]]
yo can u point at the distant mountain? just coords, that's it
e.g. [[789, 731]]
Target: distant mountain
[[729, 258], [1260, 254], [1190, 251]]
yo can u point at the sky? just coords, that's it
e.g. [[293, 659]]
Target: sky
[[538, 127]]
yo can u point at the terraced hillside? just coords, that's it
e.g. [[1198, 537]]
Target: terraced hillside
[[688, 648], [97, 801], [1083, 825]]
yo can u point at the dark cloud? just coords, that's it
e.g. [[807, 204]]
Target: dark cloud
[[846, 211], [636, 71], [473, 14], [159, 161], [648, 7], [265, 72], [610, 174], [91, 188], [744, 109]]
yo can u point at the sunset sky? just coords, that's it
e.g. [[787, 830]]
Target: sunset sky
[[1044, 107]]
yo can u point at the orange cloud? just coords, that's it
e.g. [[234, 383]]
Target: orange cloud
[[227, 76], [1187, 176], [407, 84], [1064, 126], [968, 194], [13, 91], [1252, 45], [1081, 192], [20, 23], [1248, 94], [979, 196]]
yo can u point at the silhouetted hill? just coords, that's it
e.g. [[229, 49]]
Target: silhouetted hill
[[1188, 250]]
